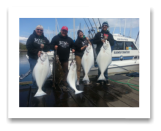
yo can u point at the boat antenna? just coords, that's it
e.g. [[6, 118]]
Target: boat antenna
[[137, 37], [130, 31], [74, 28], [84, 28], [120, 25], [124, 26], [91, 26], [114, 29], [49, 34], [131, 27], [55, 27], [89, 32], [95, 25]]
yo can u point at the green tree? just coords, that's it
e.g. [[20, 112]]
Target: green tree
[[22, 47]]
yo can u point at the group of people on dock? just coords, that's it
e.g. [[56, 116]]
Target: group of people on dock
[[63, 44]]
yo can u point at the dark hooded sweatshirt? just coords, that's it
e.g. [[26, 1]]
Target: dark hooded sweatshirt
[[80, 42], [99, 36], [64, 45], [33, 45]]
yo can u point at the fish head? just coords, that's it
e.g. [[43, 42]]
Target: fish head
[[106, 45], [88, 48], [43, 56], [73, 65]]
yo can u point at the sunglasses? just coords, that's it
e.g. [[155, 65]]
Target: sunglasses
[[39, 30], [65, 31]]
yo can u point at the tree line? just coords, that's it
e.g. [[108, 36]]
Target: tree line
[[22, 47]]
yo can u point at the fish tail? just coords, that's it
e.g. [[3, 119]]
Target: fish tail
[[39, 93], [101, 77], [86, 78], [78, 92]]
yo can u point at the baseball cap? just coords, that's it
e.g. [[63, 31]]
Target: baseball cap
[[64, 28], [105, 23]]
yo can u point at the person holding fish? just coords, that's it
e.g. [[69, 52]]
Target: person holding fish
[[80, 46], [35, 44], [99, 39], [62, 43]]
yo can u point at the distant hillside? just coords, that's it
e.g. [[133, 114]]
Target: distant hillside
[[22, 47]]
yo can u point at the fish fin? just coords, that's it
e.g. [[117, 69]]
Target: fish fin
[[101, 77], [86, 78], [39, 93], [78, 92]]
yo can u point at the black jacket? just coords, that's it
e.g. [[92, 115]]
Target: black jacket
[[33, 45], [99, 36], [80, 42], [64, 45]]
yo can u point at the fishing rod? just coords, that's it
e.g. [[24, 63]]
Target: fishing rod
[[100, 24], [95, 25], [94, 49], [91, 26], [80, 26], [88, 29]]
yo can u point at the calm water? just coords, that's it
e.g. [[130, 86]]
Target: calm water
[[24, 66]]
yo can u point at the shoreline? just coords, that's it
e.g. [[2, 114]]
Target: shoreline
[[22, 50]]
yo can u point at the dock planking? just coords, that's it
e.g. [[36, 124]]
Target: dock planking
[[125, 86], [115, 95], [105, 92], [24, 96], [127, 100], [94, 97], [126, 93], [82, 100]]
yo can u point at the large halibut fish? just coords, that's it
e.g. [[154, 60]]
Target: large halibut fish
[[87, 61], [41, 72], [104, 59], [72, 77]]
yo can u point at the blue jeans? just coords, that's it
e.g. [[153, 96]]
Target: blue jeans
[[32, 65], [105, 73]]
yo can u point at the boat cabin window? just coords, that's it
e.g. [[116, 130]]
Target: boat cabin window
[[130, 46], [119, 45]]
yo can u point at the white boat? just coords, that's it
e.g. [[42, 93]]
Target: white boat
[[125, 56]]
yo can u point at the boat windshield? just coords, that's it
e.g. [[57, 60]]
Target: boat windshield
[[119, 45], [124, 45], [130, 46]]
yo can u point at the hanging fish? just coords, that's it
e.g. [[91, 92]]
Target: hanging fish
[[72, 77], [41, 72], [87, 61], [104, 59]]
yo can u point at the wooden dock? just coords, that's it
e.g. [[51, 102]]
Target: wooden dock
[[115, 95]]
